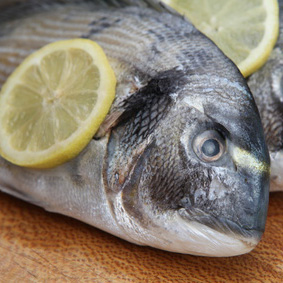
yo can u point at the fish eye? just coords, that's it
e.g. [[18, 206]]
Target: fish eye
[[209, 146]]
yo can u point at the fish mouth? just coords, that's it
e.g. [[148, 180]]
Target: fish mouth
[[276, 177], [248, 237]]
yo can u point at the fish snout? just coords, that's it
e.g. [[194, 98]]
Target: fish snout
[[254, 200], [236, 206], [253, 170]]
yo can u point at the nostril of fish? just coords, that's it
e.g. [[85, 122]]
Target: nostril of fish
[[117, 176], [249, 206], [186, 202]]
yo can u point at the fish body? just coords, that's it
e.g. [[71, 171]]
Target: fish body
[[182, 163], [267, 88]]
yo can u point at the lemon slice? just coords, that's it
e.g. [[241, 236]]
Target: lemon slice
[[245, 30], [54, 102]]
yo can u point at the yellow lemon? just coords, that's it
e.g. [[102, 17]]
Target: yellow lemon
[[54, 102], [245, 30]]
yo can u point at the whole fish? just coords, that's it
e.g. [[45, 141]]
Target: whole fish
[[267, 88], [180, 163]]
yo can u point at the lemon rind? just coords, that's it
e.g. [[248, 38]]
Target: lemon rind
[[253, 61]]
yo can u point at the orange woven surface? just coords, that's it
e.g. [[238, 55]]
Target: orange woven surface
[[39, 246]]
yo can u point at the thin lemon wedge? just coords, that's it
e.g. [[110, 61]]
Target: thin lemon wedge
[[245, 30], [54, 102]]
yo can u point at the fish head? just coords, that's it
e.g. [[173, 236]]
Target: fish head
[[189, 172]]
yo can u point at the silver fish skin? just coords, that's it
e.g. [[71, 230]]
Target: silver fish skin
[[267, 88], [180, 163]]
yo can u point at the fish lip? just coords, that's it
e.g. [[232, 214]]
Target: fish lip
[[276, 177], [250, 237]]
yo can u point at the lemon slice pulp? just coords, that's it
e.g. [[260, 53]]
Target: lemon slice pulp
[[245, 30], [54, 102]]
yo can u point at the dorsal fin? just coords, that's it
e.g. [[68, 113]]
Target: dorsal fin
[[155, 4], [8, 8]]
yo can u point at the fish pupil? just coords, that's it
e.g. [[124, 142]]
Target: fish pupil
[[210, 147]]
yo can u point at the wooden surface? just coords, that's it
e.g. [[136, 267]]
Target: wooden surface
[[37, 246]]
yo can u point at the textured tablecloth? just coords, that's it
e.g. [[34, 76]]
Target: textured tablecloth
[[37, 246]]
